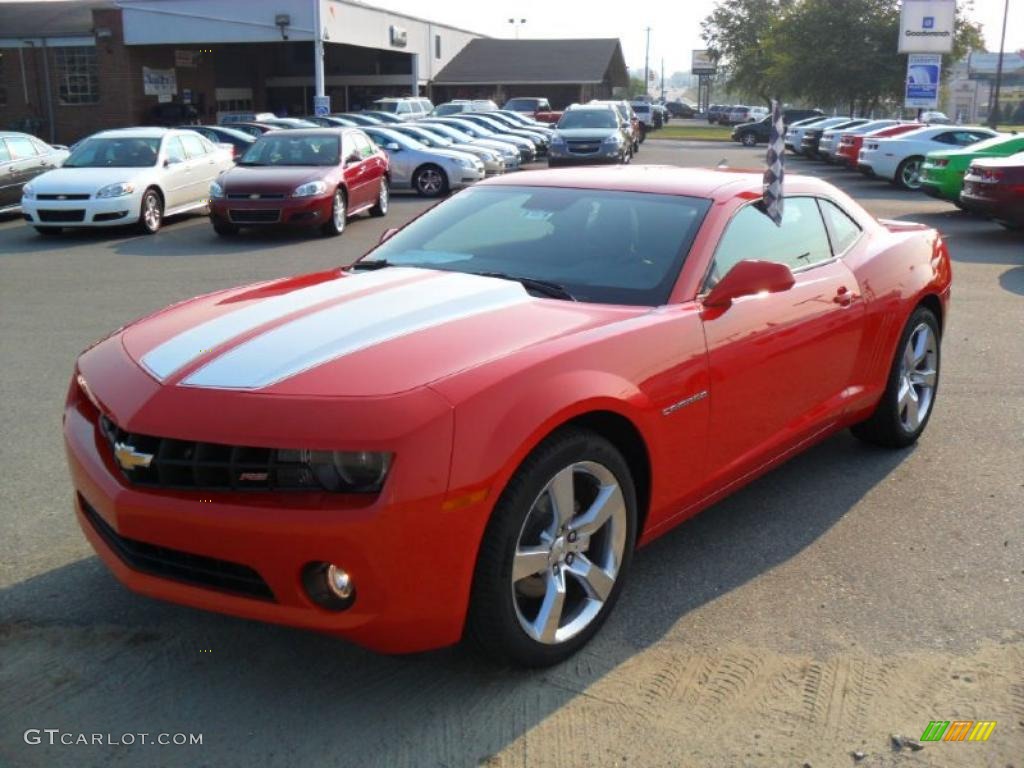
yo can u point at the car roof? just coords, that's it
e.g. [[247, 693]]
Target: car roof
[[132, 133], [718, 184]]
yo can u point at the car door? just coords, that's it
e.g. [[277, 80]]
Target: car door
[[375, 166], [779, 362], [10, 191], [24, 162], [202, 165], [355, 168], [176, 176]]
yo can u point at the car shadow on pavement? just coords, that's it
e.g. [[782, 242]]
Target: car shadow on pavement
[[1012, 280], [83, 653]]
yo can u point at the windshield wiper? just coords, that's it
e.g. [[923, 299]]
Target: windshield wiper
[[371, 264], [546, 287]]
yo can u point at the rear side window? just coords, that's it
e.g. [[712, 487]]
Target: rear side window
[[800, 242], [843, 230], [5, 156], [20, 147], [194, 146]]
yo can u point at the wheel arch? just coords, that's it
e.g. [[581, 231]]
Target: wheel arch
[[933, 303]]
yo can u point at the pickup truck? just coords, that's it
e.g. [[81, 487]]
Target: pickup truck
[[537, 108]]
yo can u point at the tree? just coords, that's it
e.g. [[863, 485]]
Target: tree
[[736, 32]]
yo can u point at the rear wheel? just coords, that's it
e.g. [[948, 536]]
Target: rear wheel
[[748, 139], [906, 405], [383, 199], [48, 230], [555, 552], [908, 174]]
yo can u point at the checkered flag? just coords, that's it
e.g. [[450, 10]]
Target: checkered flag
[[776, 170]]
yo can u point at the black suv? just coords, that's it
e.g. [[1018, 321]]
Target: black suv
[[752, 134], [717, 111]]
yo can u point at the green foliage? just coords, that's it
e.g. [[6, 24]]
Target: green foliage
[[823, 52]]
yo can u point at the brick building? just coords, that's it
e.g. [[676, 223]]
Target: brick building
[[70, 68]]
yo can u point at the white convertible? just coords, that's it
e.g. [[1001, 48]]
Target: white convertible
[[899, 158], [126, 176]]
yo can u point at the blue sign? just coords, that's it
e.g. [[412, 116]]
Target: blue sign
[[321, 106], [928, 22], [923, 78]]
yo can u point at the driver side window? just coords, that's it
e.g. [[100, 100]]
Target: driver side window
[[800, 242]]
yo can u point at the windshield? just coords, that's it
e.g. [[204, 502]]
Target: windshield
[[601, 246], [115, 153], [588, 118], [449, 132], [527, 104], [386, 106], [998, 141], [425, 137], [281, 148], [382, 138], [448, 109], [473, 129]]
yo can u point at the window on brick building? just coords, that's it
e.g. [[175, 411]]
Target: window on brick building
[[77, 75], [3, 91]]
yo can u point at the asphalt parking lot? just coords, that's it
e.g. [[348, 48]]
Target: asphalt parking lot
[[850, 596]]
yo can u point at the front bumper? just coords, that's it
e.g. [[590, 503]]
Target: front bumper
[[299, 212], [462, 176], [562, 155], [410, 550], [105, 212]]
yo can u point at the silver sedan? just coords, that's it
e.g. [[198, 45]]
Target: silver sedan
[[430, 172], [493, 163]]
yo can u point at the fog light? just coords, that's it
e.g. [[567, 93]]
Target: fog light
[[329, 586], [339, 582]]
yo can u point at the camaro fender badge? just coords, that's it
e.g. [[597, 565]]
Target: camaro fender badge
[[129, 458], [683, 403]]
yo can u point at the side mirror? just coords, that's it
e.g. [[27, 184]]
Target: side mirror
[[352, 159], [392, 147], [388, 234], [747, 278]]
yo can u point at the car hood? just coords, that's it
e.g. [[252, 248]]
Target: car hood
[[452, 154], [582, 134], [349, 334], [82, 181], [266, 178]]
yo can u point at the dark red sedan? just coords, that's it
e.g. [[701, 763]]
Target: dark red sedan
[[995, 186], [315, 178]]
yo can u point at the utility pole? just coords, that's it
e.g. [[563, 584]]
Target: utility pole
[[318, 51], [993, 113], [647, 56], [662, 78]]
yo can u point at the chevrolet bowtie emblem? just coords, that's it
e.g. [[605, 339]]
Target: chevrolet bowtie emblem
[[129, 458]]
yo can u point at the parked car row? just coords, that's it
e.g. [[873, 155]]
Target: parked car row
[[974, 167]]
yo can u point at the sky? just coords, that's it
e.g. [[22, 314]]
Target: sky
[[675, 25]]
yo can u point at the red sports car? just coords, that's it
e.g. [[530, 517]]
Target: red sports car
[[470, 430], [307, 178], [850, 143], [994, 186]]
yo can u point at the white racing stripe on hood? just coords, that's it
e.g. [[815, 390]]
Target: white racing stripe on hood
[[192, 344], [328, 334]]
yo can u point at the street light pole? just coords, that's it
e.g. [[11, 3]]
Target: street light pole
[[318, 51], [516, 25], [993, 113], [647, 56]]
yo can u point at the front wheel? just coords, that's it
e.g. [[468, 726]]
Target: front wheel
[[908, 174], [151, 215], [906, 405], [430, 181], [335, 225], [224, 228], [555, 552], [749, 140]]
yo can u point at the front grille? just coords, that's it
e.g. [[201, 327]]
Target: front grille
[[188, 465], [174, 564], [70, 215], [255, 196], [254, 215], [583, 147], [63, 197]]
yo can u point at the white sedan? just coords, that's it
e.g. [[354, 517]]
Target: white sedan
[[126, 176], [795, 134], [899, 158]]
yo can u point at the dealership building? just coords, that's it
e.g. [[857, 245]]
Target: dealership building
[[73, 67]]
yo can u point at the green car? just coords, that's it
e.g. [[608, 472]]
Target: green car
[[942, 174]]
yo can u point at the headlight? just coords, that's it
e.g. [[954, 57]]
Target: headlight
[[216, 191], [115, 190], [310, 188], [27, 192], [556, 139], [465, 162], [613, 139], [344, 471]]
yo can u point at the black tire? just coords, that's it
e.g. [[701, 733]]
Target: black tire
[[748, 139], [492, 625], [1013, 226], [884, 427], [636, 146], [380, 208], [901, 170], [224, 228], [148, 225], [426, 182], [643, 133], [335, 225], [49, 230]]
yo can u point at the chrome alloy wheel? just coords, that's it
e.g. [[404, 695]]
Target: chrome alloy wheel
[[569, 552], [911, 174], [918, 377], [151, 212], [430, 182], [338, 210]]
